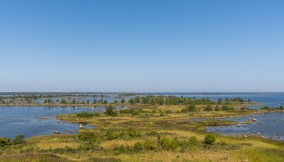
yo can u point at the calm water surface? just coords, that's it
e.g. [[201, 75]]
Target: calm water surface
[[269, 125], [34, 120]]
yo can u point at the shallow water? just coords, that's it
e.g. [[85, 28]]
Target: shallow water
[[35, 120], [269, 125]]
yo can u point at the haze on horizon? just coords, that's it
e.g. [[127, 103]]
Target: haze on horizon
[[141, 46]]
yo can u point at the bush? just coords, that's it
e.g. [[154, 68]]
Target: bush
[[193, 141], [110, 111], [5, 142], [19, 140], [169, 144], [190, 143], [209, 139]]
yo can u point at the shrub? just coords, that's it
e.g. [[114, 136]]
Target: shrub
[[110, 111], [190, 143], [209, 139], [5, 142], [193, 141], [169, 144], [19, 140]]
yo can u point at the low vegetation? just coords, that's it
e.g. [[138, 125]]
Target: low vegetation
[[152, 128]]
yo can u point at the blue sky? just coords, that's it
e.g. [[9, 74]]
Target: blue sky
[[142, 45]]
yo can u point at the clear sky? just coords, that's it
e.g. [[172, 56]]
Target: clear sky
[[142, 45]]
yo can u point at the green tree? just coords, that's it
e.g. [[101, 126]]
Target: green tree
[[131, 101], [63, 101], [227, 101], [219, 102], [110, 111], [137, 99], [122, 101]]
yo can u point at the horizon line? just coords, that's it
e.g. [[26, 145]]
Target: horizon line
[[142, 92]]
